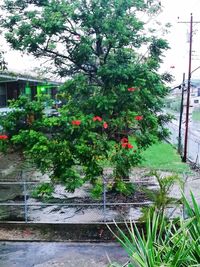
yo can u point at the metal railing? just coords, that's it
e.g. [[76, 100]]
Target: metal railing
[[18, 204], [28, 209]]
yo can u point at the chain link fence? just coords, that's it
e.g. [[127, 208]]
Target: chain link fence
[[18, 204], [193, 148], [17, 201]]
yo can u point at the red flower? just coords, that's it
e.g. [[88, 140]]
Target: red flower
[[132, 89], [76, 122], [97, 118], [124, 144], [127, 145], [124, 140], [138, 118], [3, 137], [105, 125]]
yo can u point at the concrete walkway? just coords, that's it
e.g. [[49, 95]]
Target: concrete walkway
[[51, 254]]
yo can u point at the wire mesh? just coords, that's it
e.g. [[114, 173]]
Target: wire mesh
[[17, 202], [193, 146]]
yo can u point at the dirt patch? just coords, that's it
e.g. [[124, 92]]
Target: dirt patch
[[60, 232]]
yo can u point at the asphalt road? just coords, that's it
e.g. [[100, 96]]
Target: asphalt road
[[52, 254]]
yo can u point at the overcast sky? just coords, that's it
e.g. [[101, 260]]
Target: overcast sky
[[178, 40], [176, 11]]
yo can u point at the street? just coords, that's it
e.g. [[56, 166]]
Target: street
[[47, 254]]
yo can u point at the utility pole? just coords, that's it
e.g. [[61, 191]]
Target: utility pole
[[188, 91], [188, 86], [182, 87]]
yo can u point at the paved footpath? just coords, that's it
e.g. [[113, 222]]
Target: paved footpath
[[57, 254]]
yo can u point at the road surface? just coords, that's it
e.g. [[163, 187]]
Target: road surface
[[45, 254]]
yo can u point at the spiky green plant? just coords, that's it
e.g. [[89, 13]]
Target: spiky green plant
[[164, 243], [192, 212]]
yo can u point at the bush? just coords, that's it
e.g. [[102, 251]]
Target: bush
[[44, 191]]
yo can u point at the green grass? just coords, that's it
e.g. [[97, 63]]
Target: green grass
[[196, 115], [162, 156]]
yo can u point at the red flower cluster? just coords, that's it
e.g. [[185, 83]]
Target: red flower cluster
[[132, 89], [76, 122], [3, 137], [97, 118], [125, 143], [138, 118]]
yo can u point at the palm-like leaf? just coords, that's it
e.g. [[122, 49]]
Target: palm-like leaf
[[164, 243]]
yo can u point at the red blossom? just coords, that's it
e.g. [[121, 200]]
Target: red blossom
[[124, 140], [132, 89], [97, 118], [127, 145], [124, 144], [76, 122], [105, 125], [3, 137], [138, 118]]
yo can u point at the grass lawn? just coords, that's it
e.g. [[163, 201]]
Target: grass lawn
[[162, 156], [196, 115]]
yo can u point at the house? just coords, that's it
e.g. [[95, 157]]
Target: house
[[195, 93], [12, 85]]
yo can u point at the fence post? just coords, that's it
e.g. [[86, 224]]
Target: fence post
[[25, 200], [104, 198], [197, 159]]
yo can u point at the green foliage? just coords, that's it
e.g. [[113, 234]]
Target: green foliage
[[97, 190], [160, 197], [4, 145], [163, 242], [96, 45], [43, 191], [192, 211], [3, 63], [124, 188]]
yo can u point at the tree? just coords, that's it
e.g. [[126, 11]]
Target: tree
[[3, 63], [113, 91]]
